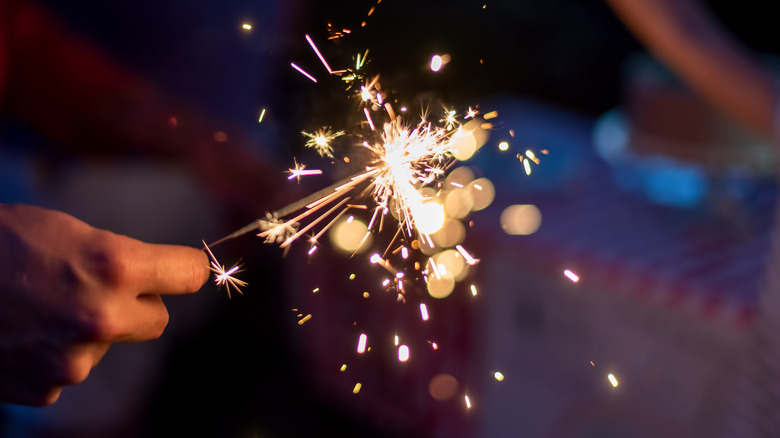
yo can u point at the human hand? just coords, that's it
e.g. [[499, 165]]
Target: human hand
[[68, 291]]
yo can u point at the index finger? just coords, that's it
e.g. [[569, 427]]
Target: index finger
[[163, 269]]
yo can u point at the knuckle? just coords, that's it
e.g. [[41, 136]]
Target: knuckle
[[75, 369], [106, 262], [100, 326], [159, 324]]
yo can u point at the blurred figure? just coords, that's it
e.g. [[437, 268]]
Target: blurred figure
[[684, 35], [68, 290]]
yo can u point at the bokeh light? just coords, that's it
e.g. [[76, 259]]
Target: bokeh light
[[441, 286], [443, 387], [348, 235], [521, 219], [428, 216], [482, 193]]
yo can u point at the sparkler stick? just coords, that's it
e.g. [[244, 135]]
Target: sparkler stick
[[256, 225]]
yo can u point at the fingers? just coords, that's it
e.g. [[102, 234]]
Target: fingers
[[147, 318], [170, 269], [146, 268]]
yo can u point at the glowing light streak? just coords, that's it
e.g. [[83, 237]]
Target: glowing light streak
[[490, 115], [319, 55], [361, 346], [571, 276], [469, 259], [527, 166], [613, 380], [368, 117], [468, 401], [343, 367], [423, 311], [312, 250], [262, 114], [403, 353], [357, 387], [304, 319], [246, 26], [303, 72], [299, 170], [498, 376], [473, 290], [404, 253]]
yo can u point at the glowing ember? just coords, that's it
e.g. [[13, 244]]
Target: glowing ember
[[571, 276], [612, 380], [403, 353], [423, 311], [357, 387], [473, 290], [468, 401], [362, 340], [498, 376], [304, 319]]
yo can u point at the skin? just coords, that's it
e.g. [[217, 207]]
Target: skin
[[688, 39], [68, 291]]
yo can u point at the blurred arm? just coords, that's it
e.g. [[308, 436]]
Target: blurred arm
[[689, 40]]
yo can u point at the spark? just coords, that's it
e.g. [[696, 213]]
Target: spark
[[471, 113], [423, 311], [469, 259], [571, 276], [403, 353], [320, 141], [498, 376], [357, 387], [313, 249], [362, 340], [304, 319], [468, 401], [473, 290], [527, 166], [262, 114], [343, 367], [613, 380], [503, 146], [436, 63], [246, 26], [225, 277], [299, 170], [303, 72], [317, 51]]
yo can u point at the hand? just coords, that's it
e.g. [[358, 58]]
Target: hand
[[68, 291]]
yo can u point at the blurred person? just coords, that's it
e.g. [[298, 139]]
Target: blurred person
[[685, 36], [69, 290]]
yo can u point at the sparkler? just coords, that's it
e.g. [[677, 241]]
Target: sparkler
[[224, 277]]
